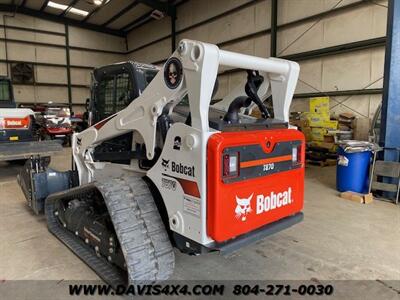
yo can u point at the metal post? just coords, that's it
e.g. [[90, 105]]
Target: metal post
[[274, 26], [389, 134], [68, 66], [173, 29]]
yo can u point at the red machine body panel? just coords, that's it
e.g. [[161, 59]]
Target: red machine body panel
[[266, 185]]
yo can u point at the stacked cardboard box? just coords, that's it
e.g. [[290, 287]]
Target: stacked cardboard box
[[320, 124], [344, 131], [316, 126]]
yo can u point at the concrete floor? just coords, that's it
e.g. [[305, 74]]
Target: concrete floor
[[338, 239]]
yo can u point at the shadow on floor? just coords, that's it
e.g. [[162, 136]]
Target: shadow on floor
[[10, 170], [325, 175]]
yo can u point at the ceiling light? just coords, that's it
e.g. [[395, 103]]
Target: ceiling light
[[64, 7], [57, 5], [100, 2], [78, 11]]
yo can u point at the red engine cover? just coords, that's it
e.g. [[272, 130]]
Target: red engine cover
[[268, 186]]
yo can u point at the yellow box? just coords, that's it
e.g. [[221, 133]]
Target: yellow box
[[317, 134], [315, 120], [319, 105], [331, 124]]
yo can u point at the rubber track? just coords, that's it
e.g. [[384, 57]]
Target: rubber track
[[144, 241]]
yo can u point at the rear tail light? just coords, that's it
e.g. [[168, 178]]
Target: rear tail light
[[17, 123], [230, 165], [296, 155]]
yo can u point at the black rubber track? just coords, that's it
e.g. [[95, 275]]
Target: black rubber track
[[148, 253]]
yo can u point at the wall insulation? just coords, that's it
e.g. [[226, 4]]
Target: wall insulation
[[43, 43], [244, 26]]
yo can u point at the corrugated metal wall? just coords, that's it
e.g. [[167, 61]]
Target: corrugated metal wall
[[303, 25], [43, 43], [237, 25]]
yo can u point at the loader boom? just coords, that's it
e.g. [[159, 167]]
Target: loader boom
[[200, 62]]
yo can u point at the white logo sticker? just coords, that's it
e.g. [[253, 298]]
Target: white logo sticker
[[243, 207], [264, 203]]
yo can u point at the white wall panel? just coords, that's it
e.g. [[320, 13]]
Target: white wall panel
[[234, 25], [50, 93], [24, 52], [301, 38], [42, 94], [24, 93], [361, 23], [80, 76], [292, 10], [148, 33], [33, 36], [3, 69], [310, 78], [347, 71], [51, 74], [377, 63], [79, 95], [32, 22], [153, 53], [93, 59], [95, 40], [196, 11]]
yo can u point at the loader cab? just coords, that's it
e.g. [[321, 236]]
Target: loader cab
[[6, 93], [114, 87]]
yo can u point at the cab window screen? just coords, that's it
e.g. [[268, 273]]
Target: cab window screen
[[114, 93], [105, 98], [123, 91], [5, 91]]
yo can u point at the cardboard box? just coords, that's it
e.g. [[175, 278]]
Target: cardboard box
[[318, 133], [332, 147], [356, 197], [314, 119], [319, 105], [331, 124], [307, 133], [346, 119], [361, 129], [299, 123]]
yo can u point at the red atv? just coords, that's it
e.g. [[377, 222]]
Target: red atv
[[55, 123]]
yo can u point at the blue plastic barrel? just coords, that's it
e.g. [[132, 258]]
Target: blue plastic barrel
[[353, 171]]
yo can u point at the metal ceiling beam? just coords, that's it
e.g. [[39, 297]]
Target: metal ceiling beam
[[137, 22], [71, 4], [390, 124], [97, 9], [274, 27], [44, 5], [121, 13], [164, 7], [57, 19]]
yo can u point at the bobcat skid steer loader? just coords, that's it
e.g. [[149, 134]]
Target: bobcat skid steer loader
[[201, 178]]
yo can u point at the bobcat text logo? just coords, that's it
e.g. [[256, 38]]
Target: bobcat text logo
[[273, 201], [243, 207], [264, 203]]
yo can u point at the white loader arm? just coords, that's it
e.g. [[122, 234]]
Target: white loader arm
[[280, 85], [192, 69]]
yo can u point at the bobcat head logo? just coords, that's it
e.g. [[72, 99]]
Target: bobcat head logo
[[243, 207], [165, 163]]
